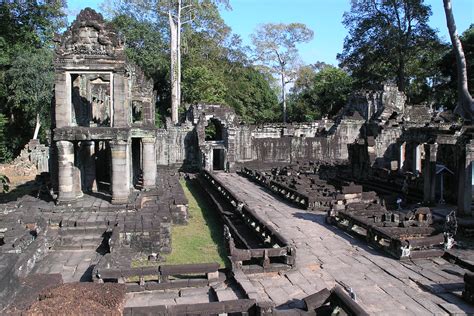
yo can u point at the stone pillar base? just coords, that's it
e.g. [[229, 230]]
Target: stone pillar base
[[118, 200]]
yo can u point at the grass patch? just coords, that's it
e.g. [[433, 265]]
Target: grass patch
[[202, 240]]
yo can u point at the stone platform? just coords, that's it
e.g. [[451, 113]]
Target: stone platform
[[327, 256]]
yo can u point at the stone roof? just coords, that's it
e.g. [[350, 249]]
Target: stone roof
[[418, 114]]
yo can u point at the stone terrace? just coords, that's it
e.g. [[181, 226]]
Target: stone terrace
[[327, 256]]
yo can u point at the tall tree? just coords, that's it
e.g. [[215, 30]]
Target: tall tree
[[178, 14], [465, 107], [446, 85], [317, 93], [26, 29], [386, 38], [31, 78], [275, 47]]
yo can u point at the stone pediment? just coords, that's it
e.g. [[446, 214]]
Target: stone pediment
[[90, 35]]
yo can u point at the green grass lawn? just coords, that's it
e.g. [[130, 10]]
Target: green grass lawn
[[202, 240]]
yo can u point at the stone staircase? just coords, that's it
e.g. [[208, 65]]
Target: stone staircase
[[83, 238], [139, 181]]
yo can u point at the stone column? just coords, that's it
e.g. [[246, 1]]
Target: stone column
[[120, 99], [417, 158], [120, 187], [429, 173], [66, 188], [402, 156], [90, 183], [149, 162], [62, 92], [465, 181]]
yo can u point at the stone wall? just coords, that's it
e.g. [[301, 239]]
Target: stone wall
[[176, 147], [180, 146], [298, 142]]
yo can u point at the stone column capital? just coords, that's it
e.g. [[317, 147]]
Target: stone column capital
[[149, 140], [118, 144]]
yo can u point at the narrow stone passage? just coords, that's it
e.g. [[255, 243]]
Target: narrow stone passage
[[327, 256]]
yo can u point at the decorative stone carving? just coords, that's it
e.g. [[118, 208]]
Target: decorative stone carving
[[90, 35]]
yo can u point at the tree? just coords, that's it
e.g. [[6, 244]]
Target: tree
[[26, 28], [5, 154], [386, 39], [446, 85], [146, 46], [250, 94], [319, 93], [465, 107], [196, 14], [275, 47], [31, 79], [180, 12], [201, 85]]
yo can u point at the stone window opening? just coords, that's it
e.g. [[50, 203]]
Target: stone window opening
[[137, 112], [91, 99], [214, 130]]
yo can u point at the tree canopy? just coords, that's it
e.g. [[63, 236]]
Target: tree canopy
[[390, 41], [275, 48], [215, 66], [26, 32], [319, 91]]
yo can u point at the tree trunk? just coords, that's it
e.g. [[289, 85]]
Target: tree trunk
[[283, 95], [174, 70], [178, 59], [37, 127], [465, 107], [401, 73]]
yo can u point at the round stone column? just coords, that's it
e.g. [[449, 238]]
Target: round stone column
[[120, 187], [149, 162], [66, 190]]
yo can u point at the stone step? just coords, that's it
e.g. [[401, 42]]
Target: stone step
[[85, 242]]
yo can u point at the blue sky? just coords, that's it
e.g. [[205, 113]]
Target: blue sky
[[322, 16]]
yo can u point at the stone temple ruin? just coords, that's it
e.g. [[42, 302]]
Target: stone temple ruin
[[386, 172]]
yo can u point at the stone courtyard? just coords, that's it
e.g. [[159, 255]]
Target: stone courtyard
[[366, 213]]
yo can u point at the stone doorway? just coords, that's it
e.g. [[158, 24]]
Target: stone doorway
[[103, 165], [136, 163], [218, 159]]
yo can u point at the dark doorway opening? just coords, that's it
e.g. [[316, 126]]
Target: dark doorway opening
[[103, 165], [218, 159], [136, 162], [214, 130]]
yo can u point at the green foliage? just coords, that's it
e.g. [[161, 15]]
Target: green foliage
[[446, 86], [275, 44], [5, 152], [319, 93], [214, 63], [147, 47], [31, 78], [275, 49], [201, 85], [391, 41], [5, 183], [26, 31], [249, 93]]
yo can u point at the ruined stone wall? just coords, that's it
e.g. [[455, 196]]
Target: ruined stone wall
[[378, 104], [272, 143], [176, 147]]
